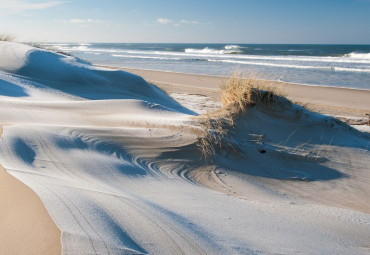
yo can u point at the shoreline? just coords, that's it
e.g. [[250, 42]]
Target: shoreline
[[25, 225], [348, 104], [222, 77]]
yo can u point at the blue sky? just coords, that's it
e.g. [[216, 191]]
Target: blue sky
[[202, 21]]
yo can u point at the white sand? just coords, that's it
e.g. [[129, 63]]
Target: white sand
[[113, 160]]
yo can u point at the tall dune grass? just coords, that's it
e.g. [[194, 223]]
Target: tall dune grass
[[241, 91]]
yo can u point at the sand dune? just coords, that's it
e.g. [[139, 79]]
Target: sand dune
[[114, 160]]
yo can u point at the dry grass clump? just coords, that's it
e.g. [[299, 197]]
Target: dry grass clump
[[6, 37], [215, 137], [239, 92]]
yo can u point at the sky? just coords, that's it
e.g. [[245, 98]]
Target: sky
[[188, 21]]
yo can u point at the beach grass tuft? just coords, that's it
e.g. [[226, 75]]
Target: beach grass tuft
[[241, 90]]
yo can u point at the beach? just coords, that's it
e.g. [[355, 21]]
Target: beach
[[26, 226], [104, 162], [339, 102]]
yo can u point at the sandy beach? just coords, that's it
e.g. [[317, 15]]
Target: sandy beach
[[334, 101], [26, 226], [103, 162]]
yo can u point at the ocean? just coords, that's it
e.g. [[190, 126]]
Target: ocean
[[322, 65]]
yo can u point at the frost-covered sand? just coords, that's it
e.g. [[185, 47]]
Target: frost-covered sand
[[115, 163]]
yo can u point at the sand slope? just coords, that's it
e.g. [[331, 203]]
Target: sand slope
[[115, 163], [26, 227]]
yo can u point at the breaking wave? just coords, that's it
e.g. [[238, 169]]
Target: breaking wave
[[230, 47], [357, 55], [207, 50]]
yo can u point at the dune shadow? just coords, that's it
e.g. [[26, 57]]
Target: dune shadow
[[126, 164], [281, 163], [276, 165], [25, 152], [124, 243], [311, 172], [90, 82], [11, 90]]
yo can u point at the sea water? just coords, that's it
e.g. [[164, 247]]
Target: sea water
[[323, 65]]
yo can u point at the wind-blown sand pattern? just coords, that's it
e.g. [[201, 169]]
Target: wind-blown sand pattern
[[114, 160]]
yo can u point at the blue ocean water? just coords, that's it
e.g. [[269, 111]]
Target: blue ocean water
[[323, 65]]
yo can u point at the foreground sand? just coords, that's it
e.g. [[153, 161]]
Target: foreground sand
[[115, 162], [25, 225], [327, 100]]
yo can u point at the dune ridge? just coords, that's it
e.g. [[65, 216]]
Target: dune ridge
[[114, 160]]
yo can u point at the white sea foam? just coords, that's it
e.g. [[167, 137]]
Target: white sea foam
[[144, 57], [84, 48], [359, 55], [295, 50], [224, 54], [207, 50], [292, 66], [230, 47], [343, 69], [266, 64], [303, 59], [356, 58]]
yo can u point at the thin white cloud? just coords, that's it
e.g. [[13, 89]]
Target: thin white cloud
[[85, 22], [164, 21], [184, 21], [80, 21], [9, 7], [179, 23]]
